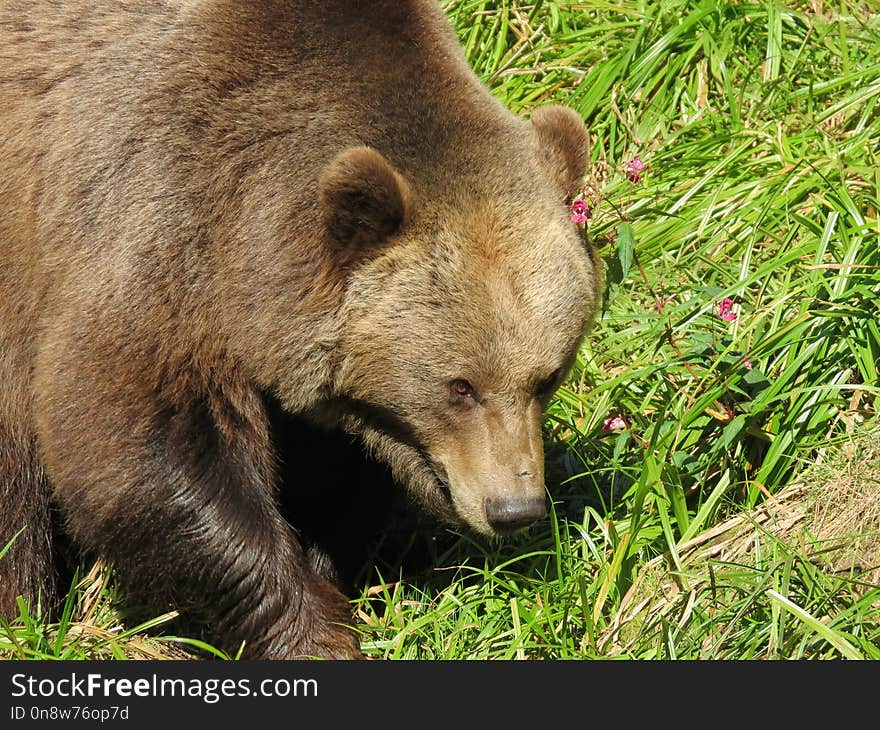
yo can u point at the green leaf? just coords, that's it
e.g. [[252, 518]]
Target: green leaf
[[626, 246], [8, 545], [732, 430], [811, 622]]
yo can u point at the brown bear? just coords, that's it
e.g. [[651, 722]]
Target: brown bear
[[213, 212]]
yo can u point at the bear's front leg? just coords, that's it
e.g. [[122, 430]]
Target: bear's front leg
[[175, 486]]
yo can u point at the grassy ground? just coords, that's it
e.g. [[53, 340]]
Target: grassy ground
[[715, 478]]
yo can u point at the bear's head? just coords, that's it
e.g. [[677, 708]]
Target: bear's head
[[466, 300]]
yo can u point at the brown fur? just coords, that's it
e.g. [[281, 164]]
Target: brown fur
[[208, 203]]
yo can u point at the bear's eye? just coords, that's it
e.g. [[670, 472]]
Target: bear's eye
[[545, 388], [462, 391]]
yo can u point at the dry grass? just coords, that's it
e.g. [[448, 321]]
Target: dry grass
[[830, 517], [94, 629], [844, 518]]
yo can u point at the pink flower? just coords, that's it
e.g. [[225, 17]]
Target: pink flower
[[614, 423], [580, 211], [725, 310], [634, 169], [747, 363]]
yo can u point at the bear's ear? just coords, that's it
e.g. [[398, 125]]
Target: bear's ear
[[363, 199], [563, 146]]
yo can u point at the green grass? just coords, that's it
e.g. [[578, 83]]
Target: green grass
[[760, 128]]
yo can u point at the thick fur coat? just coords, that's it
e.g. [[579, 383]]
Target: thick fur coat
[[208, 207]]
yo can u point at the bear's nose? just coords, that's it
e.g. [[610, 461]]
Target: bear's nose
[[511, 514]]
